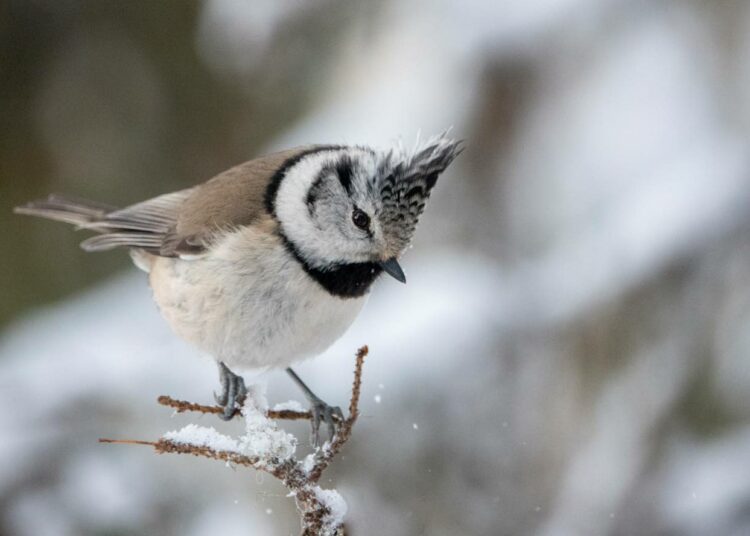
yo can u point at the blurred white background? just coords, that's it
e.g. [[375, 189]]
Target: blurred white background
[[572, 344]]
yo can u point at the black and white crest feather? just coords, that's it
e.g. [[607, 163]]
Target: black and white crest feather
[[405, 181]]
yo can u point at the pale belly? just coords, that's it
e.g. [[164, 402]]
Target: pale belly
[[250, 307]]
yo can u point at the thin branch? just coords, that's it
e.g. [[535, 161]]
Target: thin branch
[[182, 406], [127, 442], [345, 430], [301, 483]]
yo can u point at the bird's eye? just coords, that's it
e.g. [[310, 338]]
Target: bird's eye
[[361, 219]]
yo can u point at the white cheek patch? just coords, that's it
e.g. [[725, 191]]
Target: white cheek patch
[[317, 247], [291, 206]]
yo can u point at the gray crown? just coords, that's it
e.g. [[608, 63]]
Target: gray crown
[[405, 181]]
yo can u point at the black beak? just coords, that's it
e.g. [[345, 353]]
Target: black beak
[[393, 269]]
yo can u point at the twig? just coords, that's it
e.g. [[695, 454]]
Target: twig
[[127, 441], [345, 430], [182, 406], [317, 517]]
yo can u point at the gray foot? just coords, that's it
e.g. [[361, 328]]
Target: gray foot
[[233, 392], [321, 412]]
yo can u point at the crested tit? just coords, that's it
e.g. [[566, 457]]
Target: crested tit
[[269, 262]]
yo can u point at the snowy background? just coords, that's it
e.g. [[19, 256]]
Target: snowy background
[[571, 355]]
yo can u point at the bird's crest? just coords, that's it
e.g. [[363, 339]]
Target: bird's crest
[[404, 181]]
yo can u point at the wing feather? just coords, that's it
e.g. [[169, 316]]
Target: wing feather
[[182, 223]]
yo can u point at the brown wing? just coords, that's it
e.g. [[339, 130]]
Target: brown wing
[[177, 223], [233, 198]]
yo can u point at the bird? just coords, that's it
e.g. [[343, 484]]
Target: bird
[[268, 263]]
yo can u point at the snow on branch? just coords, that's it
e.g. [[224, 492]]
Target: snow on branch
[[265, 447]]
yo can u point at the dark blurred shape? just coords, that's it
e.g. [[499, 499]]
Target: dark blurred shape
[[114, 101]]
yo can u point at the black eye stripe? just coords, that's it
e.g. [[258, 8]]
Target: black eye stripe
[[314, 191], [344, 173]]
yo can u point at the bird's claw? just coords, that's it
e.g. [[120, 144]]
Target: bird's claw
[[322, 412], [233, 392]]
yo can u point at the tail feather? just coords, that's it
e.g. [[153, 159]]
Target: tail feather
[[66, 209], [139, 226], [105, 242]]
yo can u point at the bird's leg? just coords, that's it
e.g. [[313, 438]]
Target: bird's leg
[[233, 392], [320, 411]]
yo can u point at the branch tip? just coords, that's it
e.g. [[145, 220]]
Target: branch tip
[[127, 442]]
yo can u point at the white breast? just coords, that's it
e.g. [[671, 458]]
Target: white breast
[[249, 304]]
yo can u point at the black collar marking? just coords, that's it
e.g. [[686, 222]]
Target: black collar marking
[[351, 280]]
